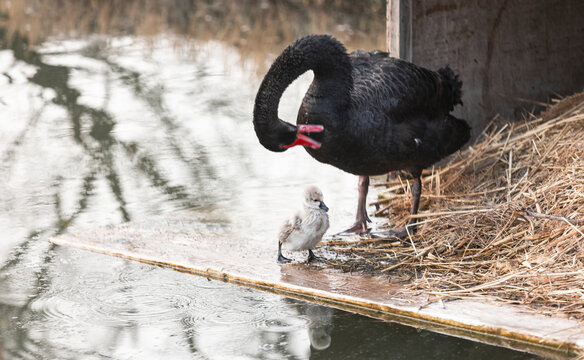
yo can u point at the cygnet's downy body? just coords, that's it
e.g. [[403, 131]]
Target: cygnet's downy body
[[305, 229]]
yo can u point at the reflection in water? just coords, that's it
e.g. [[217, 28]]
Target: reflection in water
[[135, 311], [97, 130], [283, 329], [321, 325]]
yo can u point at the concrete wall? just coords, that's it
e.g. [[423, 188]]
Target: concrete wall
[[504, 50]]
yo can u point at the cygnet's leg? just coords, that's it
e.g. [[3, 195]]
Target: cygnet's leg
[[411, 226], [281, 258], [312, 257], [361, 220]]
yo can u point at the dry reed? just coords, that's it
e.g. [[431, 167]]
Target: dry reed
[[504, 219], [255, 28]]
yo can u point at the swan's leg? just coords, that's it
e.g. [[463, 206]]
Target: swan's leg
[[416, 193], [361, 220], [411, 226], [281, 258], [312, 257]]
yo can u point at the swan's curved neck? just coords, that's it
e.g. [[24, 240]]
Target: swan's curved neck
[[322, 54]]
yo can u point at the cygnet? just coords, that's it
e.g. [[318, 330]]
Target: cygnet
[[305, 229]]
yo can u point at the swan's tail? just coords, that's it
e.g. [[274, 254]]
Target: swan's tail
[[452, 85]]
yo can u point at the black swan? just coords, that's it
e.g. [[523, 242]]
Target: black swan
[[365, 113]]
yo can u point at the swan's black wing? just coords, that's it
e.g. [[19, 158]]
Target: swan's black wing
[[399, 89]]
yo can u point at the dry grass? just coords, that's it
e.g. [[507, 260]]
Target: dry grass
[[503, 219]]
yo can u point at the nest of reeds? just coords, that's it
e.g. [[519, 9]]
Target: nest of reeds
[[503, 219]]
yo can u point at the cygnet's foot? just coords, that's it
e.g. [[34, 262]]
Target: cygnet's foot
[[312, 257], [359, 227], [283, 260]]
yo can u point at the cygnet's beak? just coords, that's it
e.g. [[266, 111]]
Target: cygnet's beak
[[323, 206], [304, 140]]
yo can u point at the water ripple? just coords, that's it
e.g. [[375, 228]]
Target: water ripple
[[235, 317], [58, 308], [287, 323], [142, 304]]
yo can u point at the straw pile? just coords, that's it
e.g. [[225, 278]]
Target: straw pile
[[503, 219]]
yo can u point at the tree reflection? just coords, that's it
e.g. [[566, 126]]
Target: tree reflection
[[101, 145], [101, 152], [21, 344]]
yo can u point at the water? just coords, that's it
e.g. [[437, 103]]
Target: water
[[100, 129], [83, 305]]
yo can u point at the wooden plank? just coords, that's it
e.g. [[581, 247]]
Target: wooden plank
[[399, 28], [180, 242], [504, 51], [392, 27]]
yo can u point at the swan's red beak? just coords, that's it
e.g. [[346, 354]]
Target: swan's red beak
[[305, 140]]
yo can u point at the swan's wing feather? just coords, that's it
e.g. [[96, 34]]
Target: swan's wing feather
[[395, 87], [290, 225]]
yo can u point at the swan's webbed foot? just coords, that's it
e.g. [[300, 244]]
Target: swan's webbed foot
[[361, 220], [398, 233], [312, 257]]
